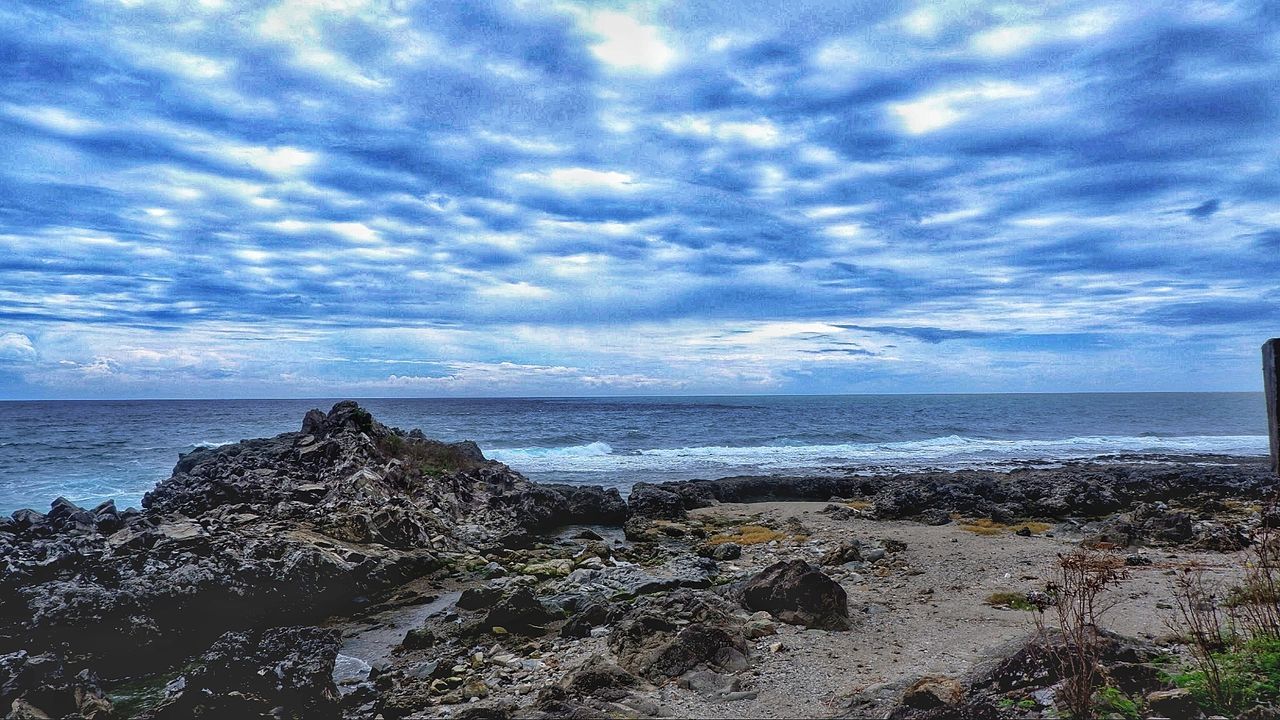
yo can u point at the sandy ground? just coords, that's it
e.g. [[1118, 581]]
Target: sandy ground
[[925, 615]]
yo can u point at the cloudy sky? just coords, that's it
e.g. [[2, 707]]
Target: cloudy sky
[[387, 197]]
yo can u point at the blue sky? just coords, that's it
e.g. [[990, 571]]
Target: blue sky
[[386, 197]]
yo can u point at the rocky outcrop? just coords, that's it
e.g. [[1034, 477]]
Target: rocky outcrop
[[259, 533], [795, 592], [1081, 490]]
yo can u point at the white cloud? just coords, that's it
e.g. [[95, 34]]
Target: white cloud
[[934, 112], [16, 347], [627, 43], [577, 178]]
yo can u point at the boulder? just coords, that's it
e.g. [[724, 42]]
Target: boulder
[[652, 502], [665, 637], [280, 673], [520, 612], [795, 592]]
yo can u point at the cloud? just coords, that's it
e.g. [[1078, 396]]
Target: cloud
[[218, 200], [16, 347]]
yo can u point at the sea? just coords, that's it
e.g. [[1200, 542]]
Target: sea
[[89, 451]]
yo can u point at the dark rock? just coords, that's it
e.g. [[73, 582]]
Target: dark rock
[[935, 516], [279, 673], [476, 598], [796, 592], [592, 614], [40, 684], [726, 551], [587, 534], [652, 502], [650, 643], [520, 612], [600, 678]]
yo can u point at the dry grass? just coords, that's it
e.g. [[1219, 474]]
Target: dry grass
[[987, 526], [1011, 600], [750, 535], [860, 504]]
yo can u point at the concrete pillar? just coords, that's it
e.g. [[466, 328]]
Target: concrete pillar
[[1271, 383]]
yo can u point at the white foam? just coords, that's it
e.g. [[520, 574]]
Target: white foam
[[951, 450], [513, 456]]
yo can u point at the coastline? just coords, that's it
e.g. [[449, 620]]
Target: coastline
[[476, 593]]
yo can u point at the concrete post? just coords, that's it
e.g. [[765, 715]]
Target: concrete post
[[1271, 383]]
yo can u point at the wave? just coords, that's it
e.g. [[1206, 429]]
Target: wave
[[950, 450], [512, 456]]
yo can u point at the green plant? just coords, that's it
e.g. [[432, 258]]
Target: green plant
[[1028, 704], [1248, 675], [1112, 701]]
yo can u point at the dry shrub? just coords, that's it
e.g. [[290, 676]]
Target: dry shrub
[[1083, 576]]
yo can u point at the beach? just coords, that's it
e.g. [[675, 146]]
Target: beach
[[377, 573]]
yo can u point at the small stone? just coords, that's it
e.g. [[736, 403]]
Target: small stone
[[776, 647]]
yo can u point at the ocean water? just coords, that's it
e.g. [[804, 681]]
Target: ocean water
[[89, 451]]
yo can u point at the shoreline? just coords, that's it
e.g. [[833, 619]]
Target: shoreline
[[406, 578]]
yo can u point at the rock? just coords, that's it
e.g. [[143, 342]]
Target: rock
[[477, 598], [760, 625], [649, 643], [587, 534], [681, 571], [726, 551], [37, 686], [933, 691], [846, 551], [1023, 531], [651, 502], [935, 516], [797, 593], [1173, 704], [261, 533], [1136, 560], [550, 568], [520, 612], [282, 672], [598, 677]]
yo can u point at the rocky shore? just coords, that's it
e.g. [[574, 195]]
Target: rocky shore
[[353, 570]]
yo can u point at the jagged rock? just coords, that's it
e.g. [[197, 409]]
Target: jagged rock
[[259, 533], [279, 673], [795, 592], [933, 691], [847, 551], [37, 686], [650, 643], [652, 502], [520, 612], [476, 598], [726, 551], [682, 571], [598, 677]]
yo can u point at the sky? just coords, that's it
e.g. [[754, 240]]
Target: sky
[[393, 198]]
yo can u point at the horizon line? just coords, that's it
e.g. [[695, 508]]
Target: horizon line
[[631, 396]]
